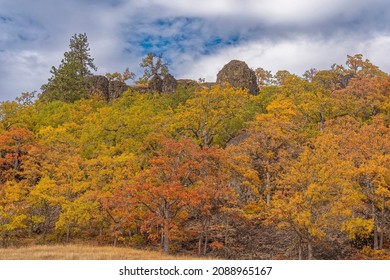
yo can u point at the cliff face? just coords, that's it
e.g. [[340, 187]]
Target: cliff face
[[238, 75]]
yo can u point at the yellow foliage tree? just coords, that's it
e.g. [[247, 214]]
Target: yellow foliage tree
[[317, 194], [213, 116]]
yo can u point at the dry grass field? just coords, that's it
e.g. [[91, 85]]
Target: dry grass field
[[82, 252]]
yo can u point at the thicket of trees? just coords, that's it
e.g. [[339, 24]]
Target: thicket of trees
[[301, 170]]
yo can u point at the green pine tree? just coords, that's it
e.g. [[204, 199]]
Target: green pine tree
[[68, 80]]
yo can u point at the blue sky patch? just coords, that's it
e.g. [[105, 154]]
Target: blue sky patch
[[179, 34]]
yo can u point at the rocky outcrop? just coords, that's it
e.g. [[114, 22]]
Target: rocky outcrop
[[97, 85], [238, 75], [101, 86], [115, 89], [169, 84], [156, 84], [187, 83]]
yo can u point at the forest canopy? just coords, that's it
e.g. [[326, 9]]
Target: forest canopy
[[301, 170]]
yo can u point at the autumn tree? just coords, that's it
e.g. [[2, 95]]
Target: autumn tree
[[123, 126], [370, 151], [334, 79], [181, 181], [310, 74], [317, 194], [364, 97], [106, 175], [166, 189], [20, 169], [9, 111], [64, 171], [116, 76], [359, 67], [19, 113], [314, 101], [264, 77], [213, 116], [280, 76], [273, 140], [154, 67], [217, 199], [14, 150], [67, 82]]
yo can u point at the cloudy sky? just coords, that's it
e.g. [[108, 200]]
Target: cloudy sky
[[196, 37]]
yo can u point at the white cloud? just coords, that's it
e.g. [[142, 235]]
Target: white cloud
[[268, 11], [296, 56]]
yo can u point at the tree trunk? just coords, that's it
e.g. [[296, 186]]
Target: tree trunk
[[166, 236], [17, 163], [300, 248], [309, 250], [268, 198], [67, 233], [46, 228], [203, 238], [200, 242], [376, 246], [161, 238], [268, 185], [206, 240], [101, 230], [382, 225], [322, 122], [226, 232]]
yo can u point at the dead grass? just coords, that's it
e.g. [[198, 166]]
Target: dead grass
[[82, 252]]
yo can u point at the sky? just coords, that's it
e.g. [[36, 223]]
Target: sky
[[196, 37]]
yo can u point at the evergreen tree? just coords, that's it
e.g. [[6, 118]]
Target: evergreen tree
[[68, 80]]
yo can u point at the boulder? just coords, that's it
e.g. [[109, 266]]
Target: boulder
[[238, 75]]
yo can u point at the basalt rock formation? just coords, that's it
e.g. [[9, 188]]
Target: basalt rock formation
[[97, 85], [115, 89], [169, 84], [155, 84], [238, 75], [109, 90]]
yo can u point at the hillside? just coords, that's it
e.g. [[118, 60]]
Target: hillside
[[298, 170]]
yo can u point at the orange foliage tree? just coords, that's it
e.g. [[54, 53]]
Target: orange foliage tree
[[181, 179]]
